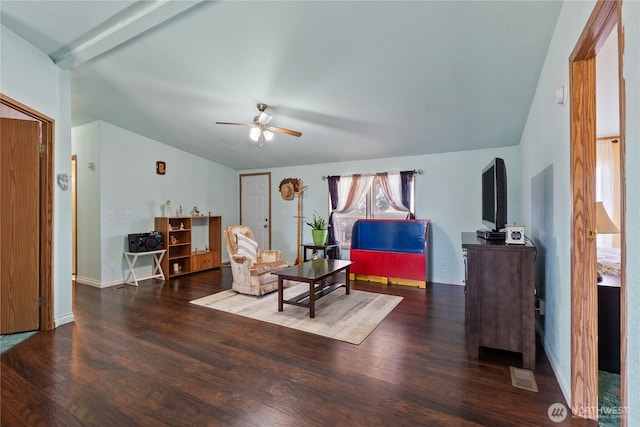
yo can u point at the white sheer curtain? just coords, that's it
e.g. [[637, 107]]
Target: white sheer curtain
[[344, 186], [605, 175], [392, 189], [351, 189]]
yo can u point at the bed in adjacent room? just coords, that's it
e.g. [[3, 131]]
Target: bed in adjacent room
[[609, 261]]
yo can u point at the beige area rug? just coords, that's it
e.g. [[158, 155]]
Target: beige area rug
[[350, 318]]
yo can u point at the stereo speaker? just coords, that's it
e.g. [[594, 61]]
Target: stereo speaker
[[145, 242]]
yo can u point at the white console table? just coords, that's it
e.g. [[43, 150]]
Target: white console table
[[132, 258]]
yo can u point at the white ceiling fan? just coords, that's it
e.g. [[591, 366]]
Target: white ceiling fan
[[260, 131]]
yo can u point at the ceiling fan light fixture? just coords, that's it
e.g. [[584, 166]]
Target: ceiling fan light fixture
[[263, 118], [260, 132], [254, 133]]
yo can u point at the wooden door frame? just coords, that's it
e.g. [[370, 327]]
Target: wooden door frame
[[584, 308], [46, 169], [74, 214], [242, 175]]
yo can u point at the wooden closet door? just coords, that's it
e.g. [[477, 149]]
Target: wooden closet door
[[19, 225]]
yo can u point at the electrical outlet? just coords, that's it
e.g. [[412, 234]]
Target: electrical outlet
[[127, 214], [444, 264]]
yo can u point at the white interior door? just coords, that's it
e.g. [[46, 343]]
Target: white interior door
[[255, 206]]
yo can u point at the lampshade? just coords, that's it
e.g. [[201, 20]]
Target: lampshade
[[604, 225]]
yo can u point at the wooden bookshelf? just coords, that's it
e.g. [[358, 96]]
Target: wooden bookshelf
[[181, 236]]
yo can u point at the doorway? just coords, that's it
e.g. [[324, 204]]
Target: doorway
[[584, 300], [37, 162], [74, 217], [255, 206]]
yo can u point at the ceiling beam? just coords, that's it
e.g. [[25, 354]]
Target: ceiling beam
[[131, 24]]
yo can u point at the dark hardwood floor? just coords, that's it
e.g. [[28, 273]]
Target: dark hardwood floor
[[145, 356]]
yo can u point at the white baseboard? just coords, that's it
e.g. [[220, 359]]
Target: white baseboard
[[105, 284], [447, 281], [88, 281], [565, 386], [115, 282], [63, 320]]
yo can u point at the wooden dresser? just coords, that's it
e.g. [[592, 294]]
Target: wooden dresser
[[609, 324], [500, 299]]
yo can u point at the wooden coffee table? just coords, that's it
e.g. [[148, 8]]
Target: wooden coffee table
[[315, 274]]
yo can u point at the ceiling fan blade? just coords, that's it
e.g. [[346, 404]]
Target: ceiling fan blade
[[264, 118], [283, 130], [231, 123]]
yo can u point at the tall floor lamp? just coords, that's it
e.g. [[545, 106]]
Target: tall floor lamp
[[604, 225]]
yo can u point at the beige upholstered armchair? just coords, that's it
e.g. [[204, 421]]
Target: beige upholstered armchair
[[251, 267]]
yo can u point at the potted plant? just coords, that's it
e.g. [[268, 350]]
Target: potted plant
[[319, 230]]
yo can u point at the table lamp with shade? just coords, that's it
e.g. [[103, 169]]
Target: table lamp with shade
[[604, 225]]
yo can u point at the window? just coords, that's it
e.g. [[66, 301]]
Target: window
[[374, 204], [607, 190]]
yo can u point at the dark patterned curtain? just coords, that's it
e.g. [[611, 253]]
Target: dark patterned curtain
[[333, 194], [406, 181], [333, 190]]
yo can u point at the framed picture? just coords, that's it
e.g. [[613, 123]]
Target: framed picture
[[161, 168]]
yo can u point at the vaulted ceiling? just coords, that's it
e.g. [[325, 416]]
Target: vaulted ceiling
[[359, 79]]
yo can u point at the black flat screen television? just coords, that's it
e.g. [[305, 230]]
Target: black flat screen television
[[494, 195]]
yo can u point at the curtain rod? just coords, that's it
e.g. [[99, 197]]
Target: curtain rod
[[418, 172]]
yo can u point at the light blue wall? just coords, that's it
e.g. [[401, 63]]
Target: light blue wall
[[546, 195], [546, 187], [28, 76], [127, 185], [448, 193], [88, 189]]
